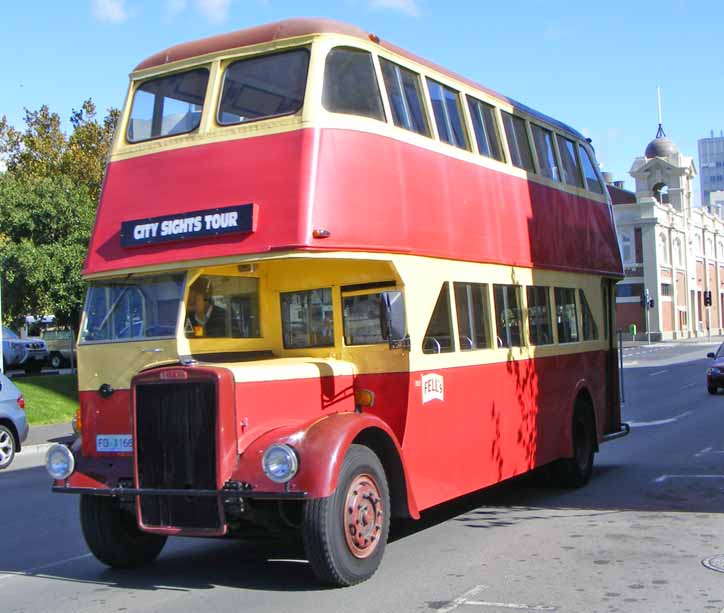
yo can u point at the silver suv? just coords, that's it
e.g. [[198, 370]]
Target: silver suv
[[27, 353], [13, 421]]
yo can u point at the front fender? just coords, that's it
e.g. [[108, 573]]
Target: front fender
[[321, 447]]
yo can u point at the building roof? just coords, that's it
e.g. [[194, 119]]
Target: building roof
[[620, 196], [290, 28], [661, 147]]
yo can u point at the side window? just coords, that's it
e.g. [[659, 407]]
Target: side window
[[566, 317], [167, 106], [486, 131], [471, 304], [518, 142], [569, 163], [438, 337], [590, 329], [373, 318], [539, 315], [350, 84], [606, 307], [405, 94], [508, 320], [307, 319], [543, 140], [223, 307], [592, 182], [448, 114]]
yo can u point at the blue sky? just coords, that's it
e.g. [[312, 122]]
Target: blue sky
[[593, 66]]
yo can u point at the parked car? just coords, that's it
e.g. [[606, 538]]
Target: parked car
[[13, 421], [715, 372], [27, 353], [61, 346]]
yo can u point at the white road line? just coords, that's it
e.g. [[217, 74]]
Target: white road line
[[688, 385], [465, 599], [663, 478], [32, 571], [702, 452], [658, 422], [658, 372]]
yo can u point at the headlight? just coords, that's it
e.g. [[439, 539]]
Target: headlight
[[713, 371], [59, 462], [280, 463]]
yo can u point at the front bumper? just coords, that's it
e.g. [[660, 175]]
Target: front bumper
[[715, 380], [227, 493]]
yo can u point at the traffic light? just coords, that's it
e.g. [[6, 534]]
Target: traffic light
[[707, 298]]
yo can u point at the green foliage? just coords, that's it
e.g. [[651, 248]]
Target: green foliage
[[49, 400], [48, 198]]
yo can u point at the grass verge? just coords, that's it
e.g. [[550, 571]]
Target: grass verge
[[49, 399]]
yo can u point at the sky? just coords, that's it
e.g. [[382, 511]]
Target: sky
[[593, 66]]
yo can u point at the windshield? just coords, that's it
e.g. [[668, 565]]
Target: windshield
[[132, 309]]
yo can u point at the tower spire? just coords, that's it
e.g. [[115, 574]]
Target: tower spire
[[660, 132]]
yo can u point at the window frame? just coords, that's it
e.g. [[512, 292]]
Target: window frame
[[531, 156], [472, 100], [484, 289], [465, 146], [558, 137], [382, 288], [522, 340], [332, 309], [576, 317], [425, 105], [529, 328], [555, 169]]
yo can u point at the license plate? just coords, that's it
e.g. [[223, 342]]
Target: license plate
[[114, 443]]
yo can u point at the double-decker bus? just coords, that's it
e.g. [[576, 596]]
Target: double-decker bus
[[332, 283]]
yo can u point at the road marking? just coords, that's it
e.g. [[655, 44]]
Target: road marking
[[465, 599], [683, 387], [702, 452], [658, 422], [663, 478], [658, 372], [32, 571]]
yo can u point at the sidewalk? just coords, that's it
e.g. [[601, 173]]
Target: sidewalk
[[41, 437], [701, 340]]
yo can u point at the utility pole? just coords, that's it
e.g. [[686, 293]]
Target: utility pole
[[647, 306]]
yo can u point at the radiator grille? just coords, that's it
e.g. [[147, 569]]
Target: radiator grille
[[176, 449]]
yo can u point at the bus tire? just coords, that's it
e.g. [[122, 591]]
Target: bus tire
[[113, 536], [345, 534], [576, 471]]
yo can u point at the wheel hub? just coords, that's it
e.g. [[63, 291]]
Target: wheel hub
[[363, 516], [6, 446]]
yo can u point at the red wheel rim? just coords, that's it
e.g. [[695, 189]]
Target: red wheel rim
[[363, 516]]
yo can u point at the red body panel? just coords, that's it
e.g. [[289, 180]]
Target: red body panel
[[443, 206]]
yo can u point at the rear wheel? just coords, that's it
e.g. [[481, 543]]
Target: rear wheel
[[56, 360], [345, 534], [576, 471], [7, 447], [713, 389], [113, 536]]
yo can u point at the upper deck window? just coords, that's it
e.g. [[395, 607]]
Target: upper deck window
[[543, 140], [592, 182], [569, 162], [518, 142], [448, 114], [264, 86], [167, 106], [350, 84], [405, 94], [486, 132]]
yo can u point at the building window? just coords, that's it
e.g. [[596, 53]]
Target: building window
[[666, 290], [629, 290], [664, 249], [626, 249]]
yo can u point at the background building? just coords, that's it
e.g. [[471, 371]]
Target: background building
[[711, 166], [670, 247]]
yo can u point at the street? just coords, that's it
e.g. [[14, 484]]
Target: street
[[635, 539]]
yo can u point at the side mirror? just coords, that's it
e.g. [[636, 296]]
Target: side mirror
[[711, 355], [393, 320]]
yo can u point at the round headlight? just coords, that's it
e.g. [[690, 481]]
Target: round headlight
[[280, 463], [59, 462]]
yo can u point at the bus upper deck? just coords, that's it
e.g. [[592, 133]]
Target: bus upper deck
[[300, 134]]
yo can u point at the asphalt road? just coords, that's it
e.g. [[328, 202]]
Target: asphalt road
[[633, 540]]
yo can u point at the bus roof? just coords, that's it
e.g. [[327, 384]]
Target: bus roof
[[290, 28]]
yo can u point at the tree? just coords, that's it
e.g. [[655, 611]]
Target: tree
[[48, 198]]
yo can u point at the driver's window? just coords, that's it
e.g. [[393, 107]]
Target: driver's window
[[223, 307]]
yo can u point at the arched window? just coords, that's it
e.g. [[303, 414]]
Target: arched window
[[709, 247], [664, 248], [661, 193], [678, 253], [626, 251]]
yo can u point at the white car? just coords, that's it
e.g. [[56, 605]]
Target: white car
[[13, 421], [27, 353]]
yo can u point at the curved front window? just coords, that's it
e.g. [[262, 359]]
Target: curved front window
[[132, 309], [167, 106]]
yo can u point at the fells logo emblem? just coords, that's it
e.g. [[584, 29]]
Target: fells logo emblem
[[433, 387]]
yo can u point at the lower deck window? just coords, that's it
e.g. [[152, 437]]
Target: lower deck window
[[508, 318], [373, 318], [438, 337], [223, 307], [566, 316], [307, 319]]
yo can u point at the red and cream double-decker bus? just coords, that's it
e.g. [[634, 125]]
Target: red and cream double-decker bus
[[331, 283]]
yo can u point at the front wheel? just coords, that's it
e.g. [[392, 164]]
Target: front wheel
[[576, 471], [712, 389], [345, 534], [7, 447], [113, 536]]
